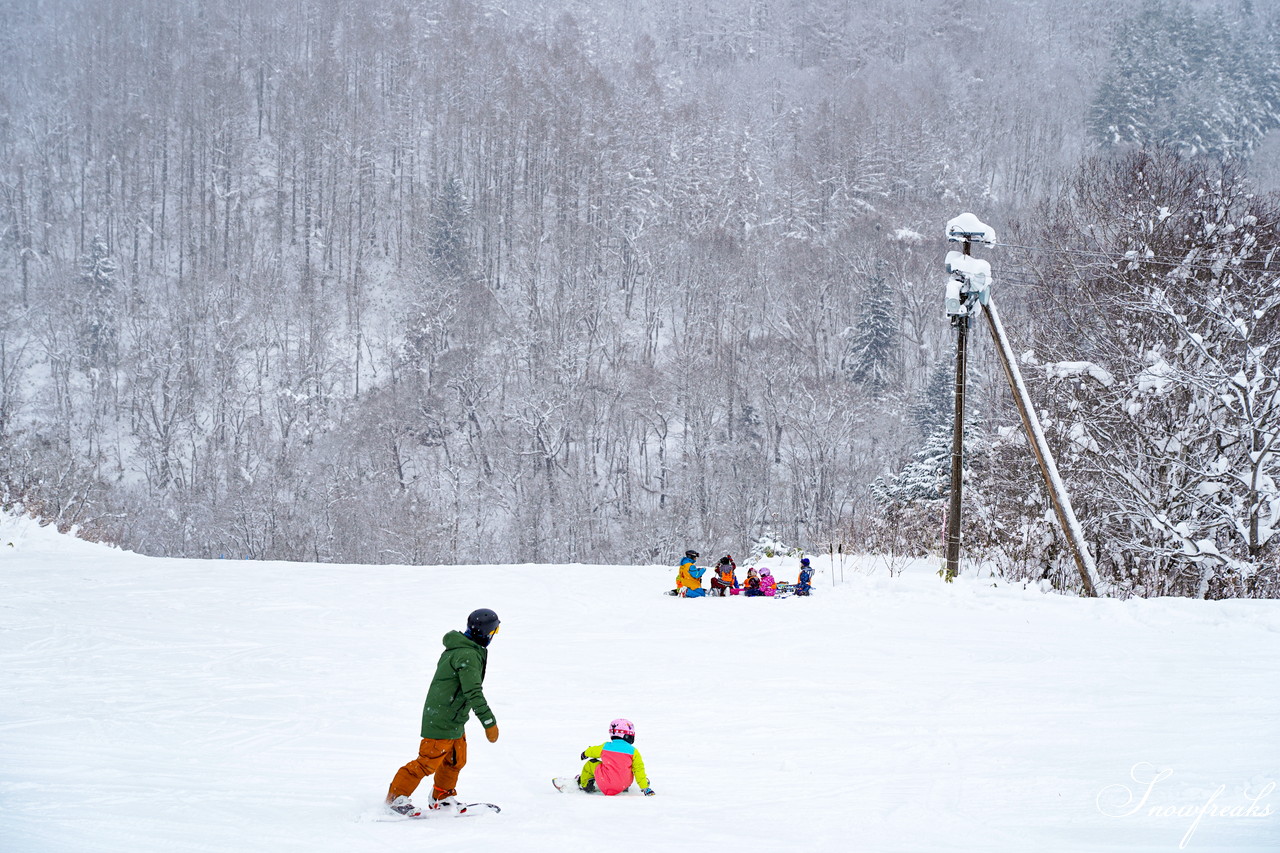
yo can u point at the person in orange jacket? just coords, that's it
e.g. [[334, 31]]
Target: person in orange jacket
[[725, 578], [689, 577]]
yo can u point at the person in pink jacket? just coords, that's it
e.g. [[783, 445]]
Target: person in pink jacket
[[768, 585], [612, 767]]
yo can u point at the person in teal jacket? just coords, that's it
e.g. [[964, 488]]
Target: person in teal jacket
[[455, 693]]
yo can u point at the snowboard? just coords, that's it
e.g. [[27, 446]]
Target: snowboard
[[564, 784], [462, 810]]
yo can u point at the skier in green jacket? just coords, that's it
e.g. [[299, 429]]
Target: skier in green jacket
[[455, 692]]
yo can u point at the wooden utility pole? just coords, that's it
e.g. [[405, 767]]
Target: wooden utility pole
[[967, 291], [961, 323]]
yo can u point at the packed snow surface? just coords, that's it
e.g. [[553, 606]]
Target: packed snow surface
[[173, 705]]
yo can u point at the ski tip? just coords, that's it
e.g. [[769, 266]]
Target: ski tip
[[479, 808]]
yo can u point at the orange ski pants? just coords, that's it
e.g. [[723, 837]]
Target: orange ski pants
[[442, 757]]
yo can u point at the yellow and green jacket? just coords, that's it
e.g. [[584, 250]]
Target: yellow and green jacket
[[614, 765]]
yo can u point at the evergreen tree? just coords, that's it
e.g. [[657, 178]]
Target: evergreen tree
[[97, 292], [935, 403], [913, 501], [447, 239], [1199, 81], [872, 354], [925, 478]]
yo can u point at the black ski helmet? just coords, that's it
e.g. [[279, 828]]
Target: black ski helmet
[[691, 554], [482, 624]]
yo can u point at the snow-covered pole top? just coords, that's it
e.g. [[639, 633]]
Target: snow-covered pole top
[[974, 272], [970, 282], [967, 228]]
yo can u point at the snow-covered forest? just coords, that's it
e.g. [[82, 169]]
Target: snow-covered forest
[[434, 280]]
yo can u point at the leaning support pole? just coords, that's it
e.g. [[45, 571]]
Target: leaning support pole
[[1048, 468]]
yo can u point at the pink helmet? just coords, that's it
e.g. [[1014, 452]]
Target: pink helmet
[[765, 573], [623, 729]]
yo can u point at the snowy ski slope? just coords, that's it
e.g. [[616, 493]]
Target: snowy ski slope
[[195, 705]]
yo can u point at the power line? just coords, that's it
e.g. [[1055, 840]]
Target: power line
[[1154, 260], [1024, 281]]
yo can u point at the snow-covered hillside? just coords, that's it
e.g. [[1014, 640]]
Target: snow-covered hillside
[[173, 705]]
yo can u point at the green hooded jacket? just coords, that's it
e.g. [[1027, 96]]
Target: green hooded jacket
[[455, 689]]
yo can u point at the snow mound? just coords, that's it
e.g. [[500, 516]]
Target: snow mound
[[21, 533]]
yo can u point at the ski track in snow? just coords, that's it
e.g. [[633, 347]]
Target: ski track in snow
[[194, 705]]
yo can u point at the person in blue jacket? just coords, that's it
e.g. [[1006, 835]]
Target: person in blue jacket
[[689, 577], [803, 585]]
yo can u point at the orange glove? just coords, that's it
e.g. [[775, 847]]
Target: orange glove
[[492, 733]]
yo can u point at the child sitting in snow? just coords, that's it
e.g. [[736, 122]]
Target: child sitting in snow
[[725, 578], [753, 583], [803, 585], [612, 767], [768, 586], [689, 577]]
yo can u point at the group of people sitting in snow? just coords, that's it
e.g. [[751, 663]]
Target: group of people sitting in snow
[[724, 579]]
